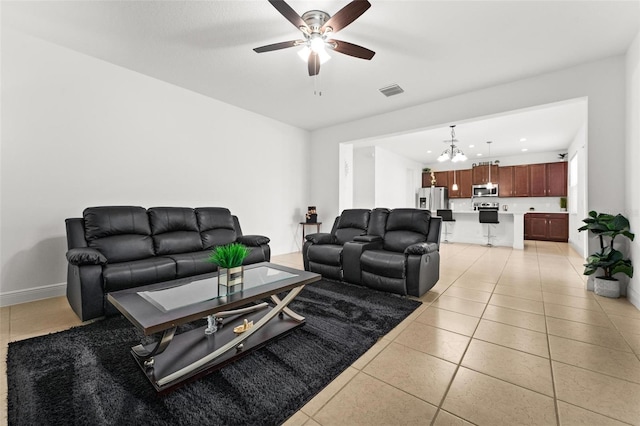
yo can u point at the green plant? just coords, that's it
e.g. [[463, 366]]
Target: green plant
[[563, 202], [229, 256], [607, 227], [426, 169]]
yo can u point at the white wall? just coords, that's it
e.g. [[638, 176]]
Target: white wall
[[80, 132], [364, 178], [579, 240], [632, 155], [603, 82], [397, 180]]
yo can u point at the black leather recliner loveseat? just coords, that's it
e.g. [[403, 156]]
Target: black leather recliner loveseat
[[390, 250], [121, 247]]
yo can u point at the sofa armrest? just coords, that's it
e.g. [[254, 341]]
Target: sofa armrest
[[367, 238], [253, 240], [421, 248], [85, 256], [320, 238]]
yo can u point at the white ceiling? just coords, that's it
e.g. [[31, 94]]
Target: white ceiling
[[547, 128], [433, 49]]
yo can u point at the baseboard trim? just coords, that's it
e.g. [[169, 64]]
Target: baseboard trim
[[32, 294], [633, 296]]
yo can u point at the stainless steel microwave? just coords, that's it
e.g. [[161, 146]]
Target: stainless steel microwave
[[485, 190]]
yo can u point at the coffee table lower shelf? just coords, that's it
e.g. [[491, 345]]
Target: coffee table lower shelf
[[192, 346]]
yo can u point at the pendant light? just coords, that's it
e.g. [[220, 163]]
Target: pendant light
[[454, 187], [489, 183]]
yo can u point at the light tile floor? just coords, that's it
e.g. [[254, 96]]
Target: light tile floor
[[506, 337]]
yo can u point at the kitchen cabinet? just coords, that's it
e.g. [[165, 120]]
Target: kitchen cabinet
[[548, 179], [441, 179], [480, 174], [464, 183], [505, 182], [520, 181], [426, 180], [557, 179], [546, 227], [537, 180], [463, 179]]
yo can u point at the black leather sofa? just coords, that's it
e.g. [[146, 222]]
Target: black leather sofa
[[121, 247], [398, 252]]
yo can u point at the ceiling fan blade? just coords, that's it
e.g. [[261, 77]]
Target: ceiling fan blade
[[288, 12], [278, 46], [346, 15], [351, 49], [314, 64]]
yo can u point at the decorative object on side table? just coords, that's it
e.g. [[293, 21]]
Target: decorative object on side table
[[312, 215], [611, 261], [229, 259]]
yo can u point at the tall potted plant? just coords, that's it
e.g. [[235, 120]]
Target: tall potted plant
[[607, 227]]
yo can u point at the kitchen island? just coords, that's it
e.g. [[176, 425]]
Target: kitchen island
[[467, 229]]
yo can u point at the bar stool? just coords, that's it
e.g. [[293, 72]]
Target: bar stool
[[447, 216], [489, 217]]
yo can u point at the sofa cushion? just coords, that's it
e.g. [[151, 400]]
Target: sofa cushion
[[174, 230], [352, 222], [415, 220], [216, 226], [406, 227], [190, 264], [120, 276], [383, 263], [327, 254], [123, 248], [120, 233]]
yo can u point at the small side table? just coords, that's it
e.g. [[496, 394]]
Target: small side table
[[304, 224]]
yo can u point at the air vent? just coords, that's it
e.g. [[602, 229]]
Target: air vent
[[394, 89]]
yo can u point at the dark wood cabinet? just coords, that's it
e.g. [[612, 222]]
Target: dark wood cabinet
[[520, 181], [464, 182], [463, 179], [557, 179], [548, 179], [480, 174], [442, 178], [538, 180], [426, 180], [546, 227], [505, 182]]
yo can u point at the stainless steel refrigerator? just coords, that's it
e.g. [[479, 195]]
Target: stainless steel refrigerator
[[432, 198]]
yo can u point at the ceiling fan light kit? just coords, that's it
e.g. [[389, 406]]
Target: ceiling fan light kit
[[318, 29]]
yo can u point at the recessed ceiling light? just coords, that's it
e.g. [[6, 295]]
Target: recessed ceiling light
[[479, 154], [428, 152], [523, 139], [471, 146], [525, 149]]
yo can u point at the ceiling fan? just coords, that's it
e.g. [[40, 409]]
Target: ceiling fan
[[318, 29]]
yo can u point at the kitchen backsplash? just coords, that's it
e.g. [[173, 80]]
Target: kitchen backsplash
[[515, 204]]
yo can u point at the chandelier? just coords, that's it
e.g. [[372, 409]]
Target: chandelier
[[452, 153]]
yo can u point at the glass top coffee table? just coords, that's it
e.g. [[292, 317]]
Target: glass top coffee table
[[174, 359]]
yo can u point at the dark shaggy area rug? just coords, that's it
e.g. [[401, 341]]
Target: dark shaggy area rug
[[87, 376]]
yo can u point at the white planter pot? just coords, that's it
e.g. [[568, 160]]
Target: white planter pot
[[606, 287]]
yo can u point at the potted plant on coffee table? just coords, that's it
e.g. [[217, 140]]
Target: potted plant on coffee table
[[229, 259], [607, 227]]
